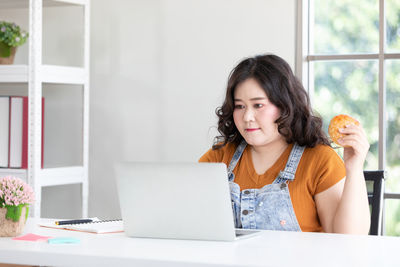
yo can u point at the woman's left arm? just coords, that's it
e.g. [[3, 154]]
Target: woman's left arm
[[344, 207]]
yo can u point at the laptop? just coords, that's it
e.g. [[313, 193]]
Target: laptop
[[177, 200]]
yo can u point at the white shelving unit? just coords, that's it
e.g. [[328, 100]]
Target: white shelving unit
[[35, 74]]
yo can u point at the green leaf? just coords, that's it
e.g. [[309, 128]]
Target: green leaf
[[5, 50], [14, 212], [26, 212]]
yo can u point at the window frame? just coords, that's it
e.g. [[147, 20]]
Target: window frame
[[304, 70]]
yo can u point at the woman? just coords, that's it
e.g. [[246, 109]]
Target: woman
[[283, 173]]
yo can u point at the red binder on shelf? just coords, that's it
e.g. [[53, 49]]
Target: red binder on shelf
[[18, 136]]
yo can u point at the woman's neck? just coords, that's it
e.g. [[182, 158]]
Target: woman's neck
[[271, 149], [266, 156]]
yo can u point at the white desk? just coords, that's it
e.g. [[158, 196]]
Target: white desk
[[271, 248]]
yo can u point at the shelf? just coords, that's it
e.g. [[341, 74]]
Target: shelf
[[46, 3], [50, 74], [14, 73], [51, 176], [33, 74], [62, 176], [21, 173], [64, 75]]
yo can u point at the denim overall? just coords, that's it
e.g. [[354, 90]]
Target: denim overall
[[269, 207]]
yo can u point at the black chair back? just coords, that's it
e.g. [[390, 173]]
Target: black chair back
[[375, 187]]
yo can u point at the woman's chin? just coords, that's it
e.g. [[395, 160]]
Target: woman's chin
[[253, 142]]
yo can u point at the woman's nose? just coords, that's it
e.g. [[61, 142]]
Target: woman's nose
[[248, 115]]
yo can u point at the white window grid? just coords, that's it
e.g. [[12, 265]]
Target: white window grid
[[304, 69]]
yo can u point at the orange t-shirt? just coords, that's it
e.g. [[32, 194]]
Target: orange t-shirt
[[319, 168]]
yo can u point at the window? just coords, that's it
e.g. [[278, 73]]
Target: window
[[348, 57]]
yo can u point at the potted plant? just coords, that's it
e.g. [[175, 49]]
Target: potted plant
[[15, 197], [11, 36]]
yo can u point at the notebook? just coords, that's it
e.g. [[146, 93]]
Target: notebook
[[97, 226], [177, 200]]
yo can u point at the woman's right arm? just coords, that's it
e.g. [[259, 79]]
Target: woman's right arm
[[217, 155], [208, 156]]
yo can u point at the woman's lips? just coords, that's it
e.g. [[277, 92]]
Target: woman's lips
[[251, 129]]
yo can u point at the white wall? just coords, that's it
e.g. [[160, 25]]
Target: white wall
[[158, 71]]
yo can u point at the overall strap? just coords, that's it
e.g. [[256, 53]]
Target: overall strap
[[291, 166], [235, 159]]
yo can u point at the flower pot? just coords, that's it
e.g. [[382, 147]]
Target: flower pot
[[10, 50], [10, 228]]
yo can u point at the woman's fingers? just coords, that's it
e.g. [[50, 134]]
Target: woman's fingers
[[353, 129], [355, 142], [355, 139]]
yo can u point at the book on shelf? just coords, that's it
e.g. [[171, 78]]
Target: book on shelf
[[15, 136], [18, 138], [4, 130]]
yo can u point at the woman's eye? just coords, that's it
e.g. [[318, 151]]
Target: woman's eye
[[239, 106], [258, 105]]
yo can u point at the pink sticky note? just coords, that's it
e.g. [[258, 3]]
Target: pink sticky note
[[31, 237]]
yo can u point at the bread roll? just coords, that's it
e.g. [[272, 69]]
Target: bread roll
[[337, 122]]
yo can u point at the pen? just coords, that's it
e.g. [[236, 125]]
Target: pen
[[74, 221]]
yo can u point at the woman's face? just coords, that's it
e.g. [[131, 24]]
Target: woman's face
[[254, 115]]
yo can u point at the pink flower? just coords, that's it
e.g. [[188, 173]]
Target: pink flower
[[14, 191]]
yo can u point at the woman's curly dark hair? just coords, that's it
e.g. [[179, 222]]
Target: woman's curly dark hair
[[297, 123]]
